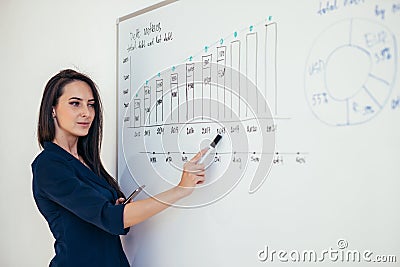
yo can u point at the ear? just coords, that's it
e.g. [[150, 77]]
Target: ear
[[53, 113]]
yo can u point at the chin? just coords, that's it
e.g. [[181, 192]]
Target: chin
[[82, 134]]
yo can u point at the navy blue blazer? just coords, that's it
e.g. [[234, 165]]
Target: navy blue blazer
[[80, 209]]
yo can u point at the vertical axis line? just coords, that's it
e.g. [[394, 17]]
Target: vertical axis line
[[130, 92]]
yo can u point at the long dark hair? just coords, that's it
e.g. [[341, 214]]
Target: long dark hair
[[88, 146]]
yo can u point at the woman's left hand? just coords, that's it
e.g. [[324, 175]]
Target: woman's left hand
[[119, 201]]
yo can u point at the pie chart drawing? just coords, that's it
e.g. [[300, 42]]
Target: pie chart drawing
[[350, 72]]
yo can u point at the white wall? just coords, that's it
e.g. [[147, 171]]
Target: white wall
[[37, 39]]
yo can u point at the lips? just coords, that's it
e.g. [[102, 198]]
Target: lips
[[84, 124]]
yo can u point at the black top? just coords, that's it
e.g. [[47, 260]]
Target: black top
[[80, 209]]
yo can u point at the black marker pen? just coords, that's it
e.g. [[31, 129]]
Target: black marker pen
[[211, 148], [134, 194]]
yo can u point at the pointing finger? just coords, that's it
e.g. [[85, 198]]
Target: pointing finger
[[198, 156]]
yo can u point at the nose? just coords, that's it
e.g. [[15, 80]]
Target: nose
[[85, 111]]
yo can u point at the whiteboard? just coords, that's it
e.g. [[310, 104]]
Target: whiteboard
[[306, 97]]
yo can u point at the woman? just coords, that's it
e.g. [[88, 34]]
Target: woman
[[81, 202]]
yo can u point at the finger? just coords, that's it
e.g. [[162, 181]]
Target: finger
[[200, 179], [194, 174], [199, 154], [120, 200], [200, 173], [196, 157], [195, 171], [200, 166], [196, 167]]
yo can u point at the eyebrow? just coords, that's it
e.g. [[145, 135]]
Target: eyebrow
[[80, 99]]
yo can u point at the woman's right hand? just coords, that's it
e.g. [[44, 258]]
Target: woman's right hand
[[193, 174], [140, 210]]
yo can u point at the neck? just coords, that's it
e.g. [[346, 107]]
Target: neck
[[70, 145]]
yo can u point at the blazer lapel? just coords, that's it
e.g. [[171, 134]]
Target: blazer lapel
[[82, 169], [88, 173]]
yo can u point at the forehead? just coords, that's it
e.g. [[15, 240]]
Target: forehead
[[78, 89]]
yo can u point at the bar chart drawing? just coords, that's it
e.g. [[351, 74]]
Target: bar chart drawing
[[251, 65], [271, 78], [221, 65], [221, 90], [240, 55], [159, 99], [189, 90], [235, 65]]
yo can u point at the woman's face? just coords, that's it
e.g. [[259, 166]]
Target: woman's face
[[74, 112]]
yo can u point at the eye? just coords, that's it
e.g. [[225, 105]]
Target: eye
[[74, 103], [91, 105]]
